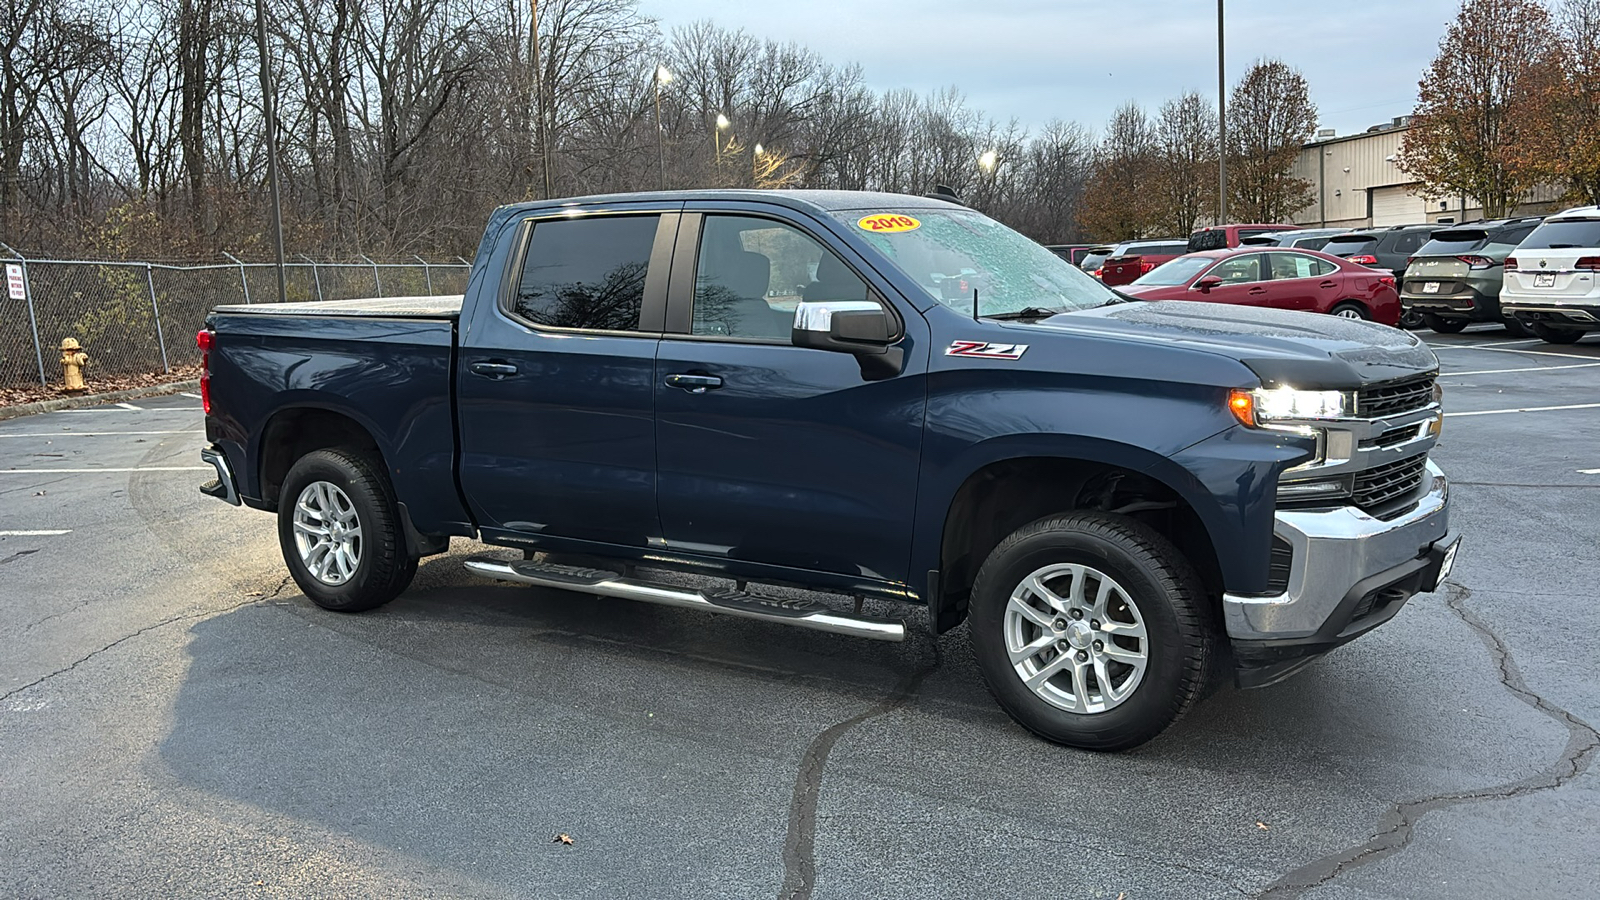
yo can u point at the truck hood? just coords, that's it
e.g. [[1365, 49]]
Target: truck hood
[[1283, 348]]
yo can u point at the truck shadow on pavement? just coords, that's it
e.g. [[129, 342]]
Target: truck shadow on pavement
[[466, 724]]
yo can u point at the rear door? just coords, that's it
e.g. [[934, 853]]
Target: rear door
[[1300, 282], [556, 379], [772, 454]]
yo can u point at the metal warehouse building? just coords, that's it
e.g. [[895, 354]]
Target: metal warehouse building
[[1356, 183]]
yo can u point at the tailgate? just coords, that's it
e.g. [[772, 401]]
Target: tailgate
[[1122, 269], [1436, 275]]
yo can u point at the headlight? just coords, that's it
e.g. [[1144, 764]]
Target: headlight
[[1315, 489], [1266, 405]]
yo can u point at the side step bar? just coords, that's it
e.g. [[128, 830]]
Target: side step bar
[[800, 613]]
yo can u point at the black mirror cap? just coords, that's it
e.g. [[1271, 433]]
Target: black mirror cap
[[861, 327]]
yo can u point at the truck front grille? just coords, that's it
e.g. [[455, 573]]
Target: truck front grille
[[1394, 397], [1377, 488]]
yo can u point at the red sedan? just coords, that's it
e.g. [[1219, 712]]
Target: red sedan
[[1280, 278]]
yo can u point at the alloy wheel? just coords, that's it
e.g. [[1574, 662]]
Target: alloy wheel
[[1076, 638], [327, 533]]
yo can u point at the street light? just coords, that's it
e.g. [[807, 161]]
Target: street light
[[663, 76], [1222, 128], [988, 160], [722, 121], [716, 141], [755, 164]]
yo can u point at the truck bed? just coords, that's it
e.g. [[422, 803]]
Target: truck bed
[[443, 306]]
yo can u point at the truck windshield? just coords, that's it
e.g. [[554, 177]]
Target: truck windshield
[[951, 253]]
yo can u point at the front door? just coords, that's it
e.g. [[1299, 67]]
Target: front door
[[773, 454], [556, 381]]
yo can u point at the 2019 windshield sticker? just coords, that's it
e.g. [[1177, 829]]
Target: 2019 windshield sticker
[[985, 350], [887, 223]]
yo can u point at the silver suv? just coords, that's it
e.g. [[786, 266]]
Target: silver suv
[[1552, 280]]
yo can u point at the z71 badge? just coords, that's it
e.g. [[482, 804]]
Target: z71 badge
[[985, 350]]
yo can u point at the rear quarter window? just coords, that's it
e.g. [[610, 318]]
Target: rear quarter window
[[1349, 246], [1216, 239]]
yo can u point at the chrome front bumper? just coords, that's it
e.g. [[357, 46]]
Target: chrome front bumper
[[1338, 554]]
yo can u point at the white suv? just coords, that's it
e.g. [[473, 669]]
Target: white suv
[[1553, 277]]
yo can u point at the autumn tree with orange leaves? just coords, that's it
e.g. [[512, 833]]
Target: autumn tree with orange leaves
[[1478, 118], [1562, 144]]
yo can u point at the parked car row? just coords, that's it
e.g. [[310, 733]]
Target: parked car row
[[1444, 276]]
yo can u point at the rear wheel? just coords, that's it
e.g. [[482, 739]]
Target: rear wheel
[[1091, 630], [339, 529], [1555, 335], [1515, 328], [1443, 325], [1350, 310], [1410, 319]]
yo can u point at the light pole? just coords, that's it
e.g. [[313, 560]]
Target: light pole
[[663, 76], [538, 97], [268, 109], [716, 141], [1222, 128], [755, 165], [989, 161]]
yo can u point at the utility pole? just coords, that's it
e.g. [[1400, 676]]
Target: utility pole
[[269, 109], [662, 77], [1222, 128], [538, 98]]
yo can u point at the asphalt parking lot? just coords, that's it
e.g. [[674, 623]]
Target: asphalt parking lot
[[176, 720]]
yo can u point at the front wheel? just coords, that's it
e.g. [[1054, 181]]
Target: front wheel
[[1555, 335], [1442, 325], [339, 529], [1091, 630], [1351, 311], [1410, 319]]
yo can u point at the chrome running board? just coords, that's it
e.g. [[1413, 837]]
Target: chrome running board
[[800, 613]]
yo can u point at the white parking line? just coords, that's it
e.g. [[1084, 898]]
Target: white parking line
[[1510, 350], [1483, 346], [190, 396], [56, 434], [120, 408], [1522, 409], [1529, 369], [138, 469], [131, 406], [43, 533], [1589, 471]]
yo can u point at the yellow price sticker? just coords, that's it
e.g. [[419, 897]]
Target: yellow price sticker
[[888, 223]]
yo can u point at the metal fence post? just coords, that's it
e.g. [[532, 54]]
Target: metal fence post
[[315, 278], [375, 279], [427, 273], [150, 279], [33, 322], [243, 282]]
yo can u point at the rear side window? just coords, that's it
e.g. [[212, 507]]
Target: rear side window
[[1310, 243], [586, 273], [1215, 239], [1564, 234], [1294, 265], [1449, 243], [1506, 241], [1349, 245]]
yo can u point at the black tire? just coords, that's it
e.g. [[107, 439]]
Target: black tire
[[1410, 319], [1443, 325], [1165, 590], [1515, 328], [1555, 335], [383, 568], [1350, 307]]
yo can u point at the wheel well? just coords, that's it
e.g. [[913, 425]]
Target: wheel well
[[1003, 496], [292, 433]]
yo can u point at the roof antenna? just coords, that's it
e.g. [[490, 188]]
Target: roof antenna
[[974, 303]]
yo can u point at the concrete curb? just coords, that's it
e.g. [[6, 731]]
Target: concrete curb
[[150, 390]]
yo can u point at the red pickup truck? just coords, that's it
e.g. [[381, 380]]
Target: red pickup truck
[[1130, 260]]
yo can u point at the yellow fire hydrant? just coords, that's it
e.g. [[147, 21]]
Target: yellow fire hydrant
[[73, 359]]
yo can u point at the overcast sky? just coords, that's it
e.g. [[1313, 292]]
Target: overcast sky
[[1071, 59]]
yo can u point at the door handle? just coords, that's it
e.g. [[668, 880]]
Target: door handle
[[694, 384], [1327, 285], [1258, 290], [495, 370]]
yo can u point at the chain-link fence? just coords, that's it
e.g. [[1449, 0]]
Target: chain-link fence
[[137, 318]]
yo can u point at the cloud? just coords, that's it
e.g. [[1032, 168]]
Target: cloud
[[1036, 60]]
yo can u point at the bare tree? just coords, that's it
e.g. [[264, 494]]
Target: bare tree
[[1185, 162], [1270, 117], [1119, 202]]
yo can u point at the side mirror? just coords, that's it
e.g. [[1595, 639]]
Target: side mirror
[[862, 328], [1205, 284]]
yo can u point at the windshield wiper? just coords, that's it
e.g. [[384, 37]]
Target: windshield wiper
[[1027, 312]]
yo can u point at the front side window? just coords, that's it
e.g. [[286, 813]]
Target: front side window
[[752, 273], [1239, 269], [958, 256], [586, 272]]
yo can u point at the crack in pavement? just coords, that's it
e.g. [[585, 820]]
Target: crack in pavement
[[151, 627], [17, 555], [1399, 824], [799, 845]]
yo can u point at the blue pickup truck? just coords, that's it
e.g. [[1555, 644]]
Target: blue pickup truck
[[866, 395]]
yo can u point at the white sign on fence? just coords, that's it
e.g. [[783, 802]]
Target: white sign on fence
[[14, 283]]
